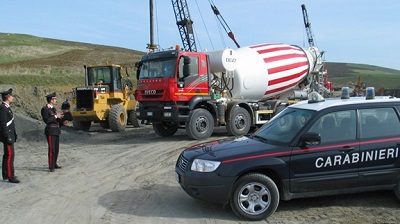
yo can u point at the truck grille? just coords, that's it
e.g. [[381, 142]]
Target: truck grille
[[182, 162]]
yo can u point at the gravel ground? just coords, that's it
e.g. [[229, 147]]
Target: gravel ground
[[129, 177]]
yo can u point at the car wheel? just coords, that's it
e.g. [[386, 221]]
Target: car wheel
[[239, 122], [255, 197], [200, 124]]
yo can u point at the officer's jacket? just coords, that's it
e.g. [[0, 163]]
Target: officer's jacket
[[53, 124], [7, 125]]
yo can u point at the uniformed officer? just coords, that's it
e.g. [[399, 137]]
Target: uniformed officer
[[54, 121], [8, 136]]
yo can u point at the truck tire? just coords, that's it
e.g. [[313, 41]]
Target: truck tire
[[81, 125], [278, 109], [165, 130], [117, 118], [397, 189], [137, 123], [200, 124], [255, 196], [239, 122]]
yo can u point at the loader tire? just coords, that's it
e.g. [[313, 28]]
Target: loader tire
[[137, 123], [81, 125], [117, 118]]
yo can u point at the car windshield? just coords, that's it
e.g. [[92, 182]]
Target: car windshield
[[282, 128], [157, 69]]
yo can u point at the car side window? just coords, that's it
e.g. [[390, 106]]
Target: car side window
[[336, 126], [379, 122]]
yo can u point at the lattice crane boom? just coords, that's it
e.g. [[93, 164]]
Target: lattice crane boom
[[307, 24], [185, 24]]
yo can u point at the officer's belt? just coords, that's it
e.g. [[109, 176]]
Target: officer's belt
[[10, 122]]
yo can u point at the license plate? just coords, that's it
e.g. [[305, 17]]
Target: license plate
[[149, 113], [178, 178]]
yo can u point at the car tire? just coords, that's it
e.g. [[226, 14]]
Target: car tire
[[255, 196], [165, 130], [239, 122], [200, 124]]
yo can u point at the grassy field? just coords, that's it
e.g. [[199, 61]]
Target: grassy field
[[36, 66]]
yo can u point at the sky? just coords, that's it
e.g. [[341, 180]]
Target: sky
[[351, 31]]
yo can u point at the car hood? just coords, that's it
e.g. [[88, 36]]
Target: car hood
[[228, 148]]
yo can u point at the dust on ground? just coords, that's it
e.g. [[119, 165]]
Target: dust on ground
[[129, 177]]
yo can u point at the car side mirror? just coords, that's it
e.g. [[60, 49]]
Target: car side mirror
[[310, 138]]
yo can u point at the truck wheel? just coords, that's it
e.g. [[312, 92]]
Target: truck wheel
[[278, 109], [137, 123], [117, 118], [165, 130], [239, 122], [200, 124], [397, 189], [254, 197], [81, 125]]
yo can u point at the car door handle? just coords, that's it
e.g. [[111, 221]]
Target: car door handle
[[346, 149]]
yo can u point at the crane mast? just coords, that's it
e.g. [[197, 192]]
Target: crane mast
[[307, 24], [185, 24]]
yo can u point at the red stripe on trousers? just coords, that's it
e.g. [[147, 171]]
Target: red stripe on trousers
[[9, 151], [50, 139]]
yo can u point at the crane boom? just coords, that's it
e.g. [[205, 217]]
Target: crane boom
[[307, 24], [185, 24], [224, 24]]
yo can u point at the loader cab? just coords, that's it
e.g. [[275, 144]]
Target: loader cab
[[104, 76]]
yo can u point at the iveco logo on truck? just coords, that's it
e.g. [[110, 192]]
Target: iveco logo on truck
[[150, 91]]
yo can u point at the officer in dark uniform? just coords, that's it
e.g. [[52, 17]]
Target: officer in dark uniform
[[8, 136], [54, 121]]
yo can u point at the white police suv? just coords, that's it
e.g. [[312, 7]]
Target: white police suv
[[312, 148]]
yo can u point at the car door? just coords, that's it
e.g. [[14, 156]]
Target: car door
[[329, 165], [379, 142]]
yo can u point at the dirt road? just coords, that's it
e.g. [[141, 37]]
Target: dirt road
[[129, 177]]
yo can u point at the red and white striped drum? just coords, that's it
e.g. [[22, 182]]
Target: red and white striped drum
[[266, 70]]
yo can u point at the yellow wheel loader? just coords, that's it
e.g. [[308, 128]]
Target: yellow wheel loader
[[107, 98]]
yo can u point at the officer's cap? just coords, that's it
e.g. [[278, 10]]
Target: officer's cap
[[51, 96], [6, 93]]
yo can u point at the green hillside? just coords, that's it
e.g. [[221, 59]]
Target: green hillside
[[30, 60], [340, 74]]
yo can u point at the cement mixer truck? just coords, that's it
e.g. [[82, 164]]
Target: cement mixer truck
[[238, 89]]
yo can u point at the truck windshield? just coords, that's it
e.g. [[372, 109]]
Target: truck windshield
[[157, 69], [99, 75], [284, 126]]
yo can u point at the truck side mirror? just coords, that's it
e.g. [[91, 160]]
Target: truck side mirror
[[186, 66], [310, 138], [138, 64]]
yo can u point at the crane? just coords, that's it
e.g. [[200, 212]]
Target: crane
[[224, 24], [185, 24], [307, 24]]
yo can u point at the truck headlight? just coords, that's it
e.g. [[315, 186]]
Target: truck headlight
[[201, 165]]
